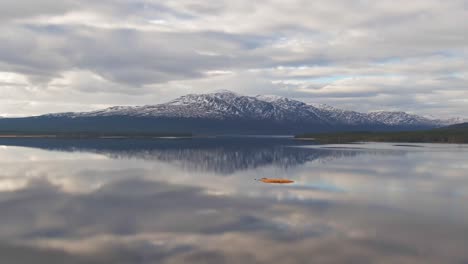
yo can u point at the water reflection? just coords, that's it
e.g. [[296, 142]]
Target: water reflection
[[224, 155], [149, 202]]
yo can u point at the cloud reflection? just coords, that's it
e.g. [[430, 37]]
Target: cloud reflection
[[392, 207]]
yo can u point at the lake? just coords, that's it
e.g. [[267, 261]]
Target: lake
[[197, 201]]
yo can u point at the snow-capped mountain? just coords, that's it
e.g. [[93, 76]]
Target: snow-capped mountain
[[227, 105], [226, 112], [452, 121], [221, 105]]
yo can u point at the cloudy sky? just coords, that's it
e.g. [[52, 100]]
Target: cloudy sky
[[356, 54]]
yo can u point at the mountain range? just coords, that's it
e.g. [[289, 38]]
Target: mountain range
[[222, 112]]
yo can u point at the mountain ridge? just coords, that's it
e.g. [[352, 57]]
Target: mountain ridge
[[215, 100], [223, 112]]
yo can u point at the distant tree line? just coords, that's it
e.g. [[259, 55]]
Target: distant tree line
[[442, 135]]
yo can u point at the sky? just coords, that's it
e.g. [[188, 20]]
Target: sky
[[59, 56]]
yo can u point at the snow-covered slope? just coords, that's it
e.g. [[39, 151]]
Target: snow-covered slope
[[452, 121], [393, 118], [226, 105], [340, 117], [344, 117]]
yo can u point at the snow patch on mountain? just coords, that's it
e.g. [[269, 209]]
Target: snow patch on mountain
[[269, 98]]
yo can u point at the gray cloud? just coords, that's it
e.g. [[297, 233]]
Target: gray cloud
[[10, 10], [139, 52]]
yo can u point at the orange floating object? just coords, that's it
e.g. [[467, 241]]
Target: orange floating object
[[275, 180]]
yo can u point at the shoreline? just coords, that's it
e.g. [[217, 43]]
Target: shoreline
[[441, 136], [52, 136]]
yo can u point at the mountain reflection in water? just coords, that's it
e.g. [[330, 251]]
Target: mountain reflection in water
[[223, 155], [195, 201]]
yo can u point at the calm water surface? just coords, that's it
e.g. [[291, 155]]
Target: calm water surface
[[196, 201]]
